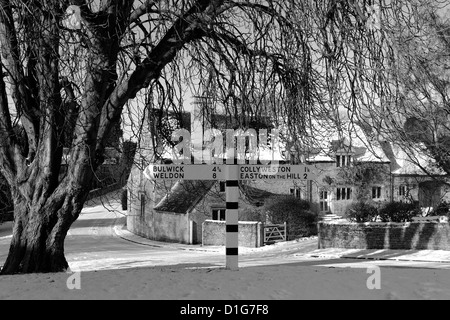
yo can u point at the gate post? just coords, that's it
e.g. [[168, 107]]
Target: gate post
[[285, 232]]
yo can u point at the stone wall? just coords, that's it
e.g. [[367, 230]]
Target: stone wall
[[374, 235], [161, 226], [144, 221], [250, 233], [215, 200]]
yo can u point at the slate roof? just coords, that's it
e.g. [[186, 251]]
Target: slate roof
[[351, 136], [184, 196], [412, 163], [254, 195]]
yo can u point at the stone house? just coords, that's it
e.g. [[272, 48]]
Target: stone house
[[355, 166], [346, 171], [350, 166], [175, 211], [409, 182]]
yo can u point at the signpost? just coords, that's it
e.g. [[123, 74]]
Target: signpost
[[232, 173], [246, 172]]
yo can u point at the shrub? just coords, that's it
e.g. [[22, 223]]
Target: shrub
[[304, 226], [399, 212], [251, 214], [301, 222], [443, 209], [362, 212]]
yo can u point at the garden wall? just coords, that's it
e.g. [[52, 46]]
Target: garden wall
[[250, 233], [161, 226], [378, 235]]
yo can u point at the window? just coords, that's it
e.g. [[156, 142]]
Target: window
[[222, 186], [296, 158], [218, 214], [323, 201], [376, 192], [343, 193], [142, 200], [343, 160], [292, 158], [296, 192], [402, 190], [110, 161]]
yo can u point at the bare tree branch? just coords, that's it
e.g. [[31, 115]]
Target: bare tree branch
[[144, 8], [185, 29], [20, 92]]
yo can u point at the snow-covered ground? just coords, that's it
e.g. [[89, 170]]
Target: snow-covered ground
[[287, 281], [115, 264]]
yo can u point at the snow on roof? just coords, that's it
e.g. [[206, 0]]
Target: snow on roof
[[413, 162], [184, 195], [347, 137], [328, 139], [254, 195]]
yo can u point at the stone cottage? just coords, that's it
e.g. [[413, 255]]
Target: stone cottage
[[175, 211], [353, 165], [350, 166]]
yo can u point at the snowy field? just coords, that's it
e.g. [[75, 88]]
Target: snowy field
[[288, 271], [253, 283]]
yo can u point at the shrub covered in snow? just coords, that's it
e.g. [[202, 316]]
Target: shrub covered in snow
[[362, 211], [399, 212], [443, 209], [301, 222]]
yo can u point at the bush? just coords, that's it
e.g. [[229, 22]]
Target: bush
[[304, 226], [443, 209], [251, 214], [399, 212], [362, 212], [301, 222]]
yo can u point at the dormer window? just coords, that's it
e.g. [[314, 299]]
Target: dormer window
[[293, 158], [343, 160]]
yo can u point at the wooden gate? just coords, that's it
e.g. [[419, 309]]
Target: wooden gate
[[274, 233]]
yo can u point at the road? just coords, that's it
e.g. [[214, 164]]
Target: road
[[93, 244], [97, 241]]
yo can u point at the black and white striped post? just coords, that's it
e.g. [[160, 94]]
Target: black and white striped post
[[232, 216]]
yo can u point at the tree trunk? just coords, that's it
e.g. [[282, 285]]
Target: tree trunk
[[39, 231]]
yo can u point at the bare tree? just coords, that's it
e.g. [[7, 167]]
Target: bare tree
[[79, 64], [70, 69], [419, 108], [386, 65]]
